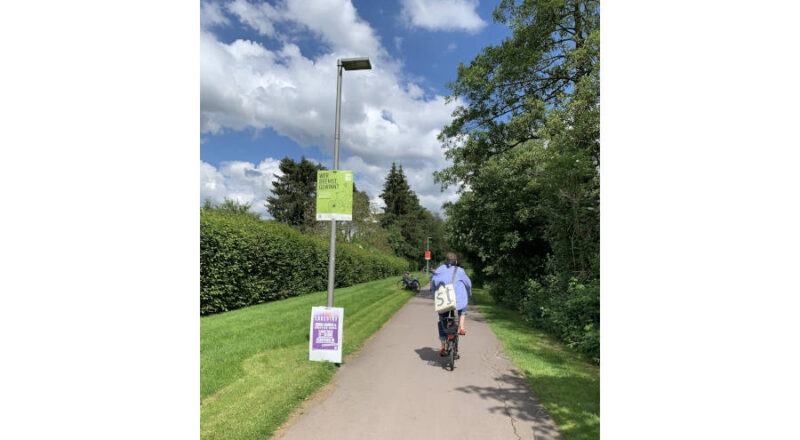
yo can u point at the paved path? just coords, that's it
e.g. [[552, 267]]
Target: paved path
[[396, 388]]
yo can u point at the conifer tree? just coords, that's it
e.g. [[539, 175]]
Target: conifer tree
[[397, 195], [294, 193], [404, 219]]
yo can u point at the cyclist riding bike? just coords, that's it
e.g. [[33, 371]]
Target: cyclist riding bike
[[463, 287]]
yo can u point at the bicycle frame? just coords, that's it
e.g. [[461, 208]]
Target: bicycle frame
[[450, 326], [409, 285]]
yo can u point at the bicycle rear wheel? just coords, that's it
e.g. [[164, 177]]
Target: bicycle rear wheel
[[451, 351]]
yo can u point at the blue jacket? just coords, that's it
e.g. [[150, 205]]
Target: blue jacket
[[462, 283]]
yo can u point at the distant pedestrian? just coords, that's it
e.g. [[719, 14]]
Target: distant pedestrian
[[463, 287]]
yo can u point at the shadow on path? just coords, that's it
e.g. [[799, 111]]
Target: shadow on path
[[514, 400], [430, 356]]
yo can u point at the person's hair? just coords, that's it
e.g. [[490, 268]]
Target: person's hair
[[450, 258]]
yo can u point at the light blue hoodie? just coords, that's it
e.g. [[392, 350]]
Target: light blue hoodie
[[462, 283]]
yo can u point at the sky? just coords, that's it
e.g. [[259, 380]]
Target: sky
[[100, 239], [268, 75]]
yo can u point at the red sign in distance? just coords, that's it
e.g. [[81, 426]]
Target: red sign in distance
[[427, 255]]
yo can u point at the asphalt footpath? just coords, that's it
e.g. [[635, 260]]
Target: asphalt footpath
[[396, 387]]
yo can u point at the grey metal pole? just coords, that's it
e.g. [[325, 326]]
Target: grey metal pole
[[427, 262], [332, 257]]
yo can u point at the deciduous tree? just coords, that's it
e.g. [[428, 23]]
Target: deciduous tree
[[525, 152]]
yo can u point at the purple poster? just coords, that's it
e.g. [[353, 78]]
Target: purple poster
[[326, 331], [325, 341]]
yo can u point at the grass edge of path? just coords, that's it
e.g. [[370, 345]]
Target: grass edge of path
[[566, 384], [267, 378]]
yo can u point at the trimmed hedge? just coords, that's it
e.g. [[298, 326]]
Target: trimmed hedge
[[246, 261]]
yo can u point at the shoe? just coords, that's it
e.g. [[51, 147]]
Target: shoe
[[462, 332], [443, 352]]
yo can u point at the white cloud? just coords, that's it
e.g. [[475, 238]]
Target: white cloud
[[259, 17], [212, 184], [377, 205], [336, 23], [443, 15], [244, 182], [385, 117], [211, 15]]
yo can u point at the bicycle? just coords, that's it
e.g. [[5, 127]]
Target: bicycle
[[450, 326], [412, 285]]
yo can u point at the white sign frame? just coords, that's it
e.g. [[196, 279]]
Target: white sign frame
[[326, 334]]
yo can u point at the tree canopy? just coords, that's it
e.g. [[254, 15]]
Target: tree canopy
[[230, 206], [293, 199], [550, 64], [397, 195], [400, 230], [408, 224], [525, 155]]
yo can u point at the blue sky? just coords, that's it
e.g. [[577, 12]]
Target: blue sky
[[268, 89]]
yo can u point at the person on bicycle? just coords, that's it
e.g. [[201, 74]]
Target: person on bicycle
[[407, 279], [463, 287]]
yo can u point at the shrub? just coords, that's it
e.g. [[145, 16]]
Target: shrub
[[246, 261], [568, 309]]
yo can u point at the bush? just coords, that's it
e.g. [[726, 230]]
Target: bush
[[246, 261], [568, 309]]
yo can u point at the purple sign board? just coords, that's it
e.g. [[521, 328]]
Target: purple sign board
[[325, 335]]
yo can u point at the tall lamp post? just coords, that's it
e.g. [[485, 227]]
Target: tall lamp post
[[346, 64]]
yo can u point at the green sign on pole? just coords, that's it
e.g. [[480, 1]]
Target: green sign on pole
[[334, 195]]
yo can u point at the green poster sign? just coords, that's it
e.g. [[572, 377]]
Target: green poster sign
[[335, 195]]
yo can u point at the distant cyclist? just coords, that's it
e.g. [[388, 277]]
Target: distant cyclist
[[463, 286]]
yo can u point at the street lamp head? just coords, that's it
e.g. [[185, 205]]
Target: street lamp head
[[355, 63]]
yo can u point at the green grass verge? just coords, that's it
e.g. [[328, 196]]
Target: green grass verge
[[254, 367], [567, 384]]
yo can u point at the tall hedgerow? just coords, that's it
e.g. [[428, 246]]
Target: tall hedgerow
[[246, 261]]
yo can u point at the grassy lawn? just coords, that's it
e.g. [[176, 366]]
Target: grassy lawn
[[566, 384], [254, 367]]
